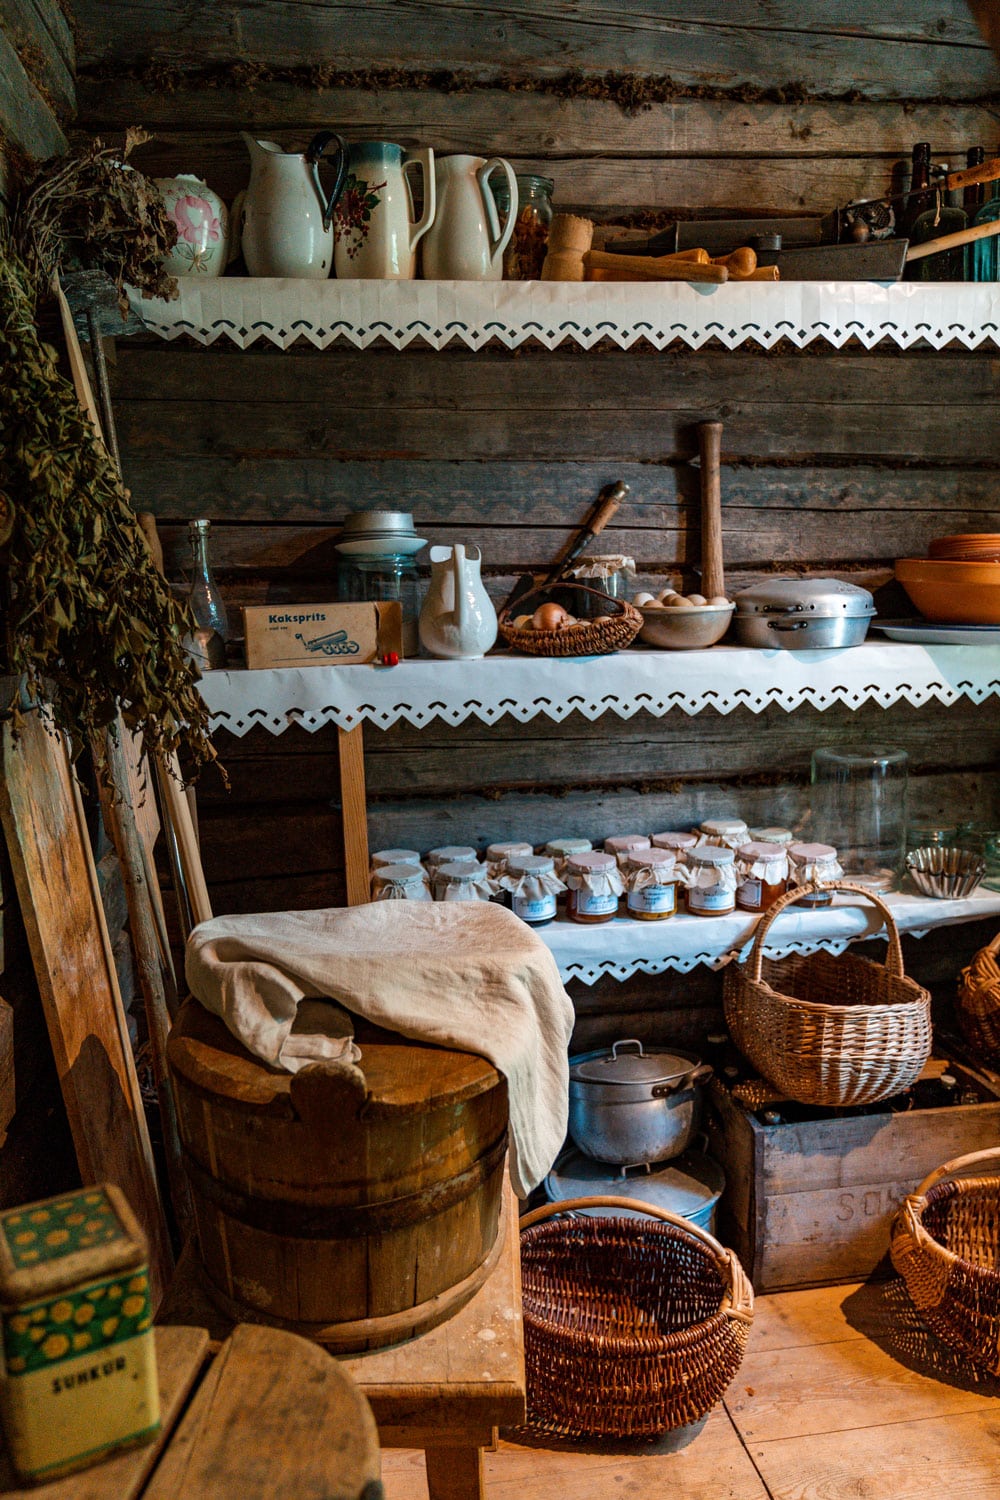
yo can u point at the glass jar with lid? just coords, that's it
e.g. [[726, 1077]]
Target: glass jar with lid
[[531, 887], [761, 873], [730, 832], [394, 857], [561, 849], [594, 884], [613, 574], [447, 854], [651, 884], [813, 862], [678, 843], [776, 835], [392, 575], [622, 844], [711, 887], [525, 254], [498, 856], [462, 880], [401, 883]]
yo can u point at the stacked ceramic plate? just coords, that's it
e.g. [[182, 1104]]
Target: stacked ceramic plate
[[959, 583], [379, 533]]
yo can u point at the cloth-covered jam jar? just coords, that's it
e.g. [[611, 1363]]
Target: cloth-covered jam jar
[[728, 832], [622, 844], [594, 884], [813, 862], [711, 890], [461, 880], [761, 874], [651, 878], [531, 888], [401, 883]]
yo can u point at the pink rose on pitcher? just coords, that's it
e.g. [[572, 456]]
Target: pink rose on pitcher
[[195, 221]]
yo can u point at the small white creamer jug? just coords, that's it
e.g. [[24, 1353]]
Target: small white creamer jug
[[465, 242], [457, 619]]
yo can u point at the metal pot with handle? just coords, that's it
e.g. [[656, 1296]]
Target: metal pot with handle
[[803, 614], [627, 1105]]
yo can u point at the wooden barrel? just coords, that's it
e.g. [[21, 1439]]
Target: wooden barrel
[[357, 1208]]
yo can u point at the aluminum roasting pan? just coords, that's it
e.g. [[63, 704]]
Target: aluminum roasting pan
[[803, 614]]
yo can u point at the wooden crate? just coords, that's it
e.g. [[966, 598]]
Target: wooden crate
[[810, 1203]]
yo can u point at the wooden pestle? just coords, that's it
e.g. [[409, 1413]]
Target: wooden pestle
[[713, 580], [740, 264], [653, 267]]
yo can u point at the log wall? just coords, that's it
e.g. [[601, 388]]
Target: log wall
[[832, 461]]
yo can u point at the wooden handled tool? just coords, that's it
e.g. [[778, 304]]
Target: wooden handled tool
[[987, 171], [608, 501], [654, 267], [740, 264], [713, 581], [953, 241]]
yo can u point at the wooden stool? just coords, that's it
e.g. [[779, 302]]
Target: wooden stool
[[445, 1391], [274, 1418]]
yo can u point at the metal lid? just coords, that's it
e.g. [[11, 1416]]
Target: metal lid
[[609, 1065], [816, 598], [688, 1185], [378, 523]]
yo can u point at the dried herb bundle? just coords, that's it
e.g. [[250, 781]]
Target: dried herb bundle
[[89, 619]]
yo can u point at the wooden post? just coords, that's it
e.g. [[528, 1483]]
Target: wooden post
[[354, 812], [56, 881]]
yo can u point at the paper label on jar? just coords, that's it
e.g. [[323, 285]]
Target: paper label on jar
[[653, 898], [710, 898], [534, 911], [750, 892], [590, 904]]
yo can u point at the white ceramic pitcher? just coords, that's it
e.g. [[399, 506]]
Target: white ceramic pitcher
[[376, 228], [287, 215], [465, 242], [457, 619]]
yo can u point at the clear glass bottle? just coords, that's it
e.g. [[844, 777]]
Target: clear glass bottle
[[525, 253], [941, 218], [207, 642]]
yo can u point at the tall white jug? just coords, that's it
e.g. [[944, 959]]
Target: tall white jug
[[465, 242], [287, 215]]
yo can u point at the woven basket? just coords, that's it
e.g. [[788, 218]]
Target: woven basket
[[978, 1006], [830, 1030], [946, 1246], [612, 631], [630, 1328]]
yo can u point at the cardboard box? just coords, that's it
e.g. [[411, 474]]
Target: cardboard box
[[321, 635]]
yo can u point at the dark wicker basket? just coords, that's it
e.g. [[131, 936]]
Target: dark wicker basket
[[978, 1008], [946, 1246], [612, 630], [631, 1328]]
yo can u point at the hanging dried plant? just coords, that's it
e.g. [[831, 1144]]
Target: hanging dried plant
[[89, 619]]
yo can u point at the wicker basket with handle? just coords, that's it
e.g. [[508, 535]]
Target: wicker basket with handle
[[830, 1030], [978, 1008], [946, 1246], [631, 1328], [613, 630]]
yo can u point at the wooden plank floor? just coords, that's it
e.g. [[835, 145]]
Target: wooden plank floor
[[842, 1394]]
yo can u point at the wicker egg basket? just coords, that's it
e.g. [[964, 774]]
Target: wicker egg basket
[[613, 629], [631, 1328], [835, 1030], [946, 1246]]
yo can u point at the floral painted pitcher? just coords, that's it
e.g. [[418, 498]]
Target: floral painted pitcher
[[202, 225], [376, 226]]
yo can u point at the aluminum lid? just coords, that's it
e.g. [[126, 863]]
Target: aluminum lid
[[816, 598], [378, 523], [609, 1065], [688, 1185]]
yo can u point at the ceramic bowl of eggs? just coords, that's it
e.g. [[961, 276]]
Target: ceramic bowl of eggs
[[683, 622]]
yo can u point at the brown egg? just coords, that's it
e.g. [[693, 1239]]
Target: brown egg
[[549, 617], [696, 599], [523, 622]]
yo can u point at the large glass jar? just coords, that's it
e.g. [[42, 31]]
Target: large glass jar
[[392, 576], [858, 802], [525, 254]]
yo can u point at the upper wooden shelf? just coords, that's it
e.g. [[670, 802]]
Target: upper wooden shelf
[[245, 311], [636, 681]]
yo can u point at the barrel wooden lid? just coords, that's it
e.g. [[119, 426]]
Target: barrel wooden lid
[[403, 1076]]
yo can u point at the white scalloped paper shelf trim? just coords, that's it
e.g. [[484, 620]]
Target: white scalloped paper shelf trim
[[246, 310], [590, 973], [524, 688]]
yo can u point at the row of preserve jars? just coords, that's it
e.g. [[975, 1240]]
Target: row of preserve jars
[[638, 874]]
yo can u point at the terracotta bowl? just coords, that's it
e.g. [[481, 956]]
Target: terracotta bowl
[[686, 629], [952, 593]]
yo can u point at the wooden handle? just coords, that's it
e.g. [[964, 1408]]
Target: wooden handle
[[608, 501], [739, 263], [713, 581], [956, 1168], [987, 171], [147, 525], [762, 273], [608, 508], [653, 267], [952, 241]]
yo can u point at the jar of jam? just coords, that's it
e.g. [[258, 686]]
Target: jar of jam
[[561, 849], [498, 855], [621, 844], [782, 836], [462, 880], [530, 887], [394, 857], [761, 874], [711, 888], [650, 884], [401, 883], [450, 854], [813, 862], [677, 843], [525, 254], [730, 833], [594, 884]]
